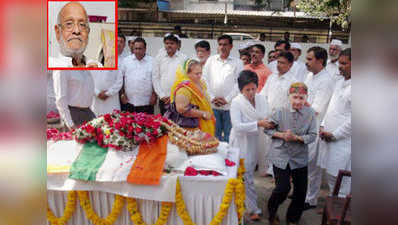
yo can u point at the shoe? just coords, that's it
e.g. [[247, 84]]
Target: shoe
[[307, 206], [275, 221], [291, 223]]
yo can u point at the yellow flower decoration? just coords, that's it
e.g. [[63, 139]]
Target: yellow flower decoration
[[68, 211], [234, 185], [93, 217], [180, 204], [136, 217]]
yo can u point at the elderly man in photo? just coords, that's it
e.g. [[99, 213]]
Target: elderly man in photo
[[333, 64], [74, 89], [72, 30]]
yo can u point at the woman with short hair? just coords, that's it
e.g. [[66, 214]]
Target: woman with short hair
[[249, 112]]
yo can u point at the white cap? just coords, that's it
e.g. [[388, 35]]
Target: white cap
[[175, 35], [296, 45], [336, 42], [243, 45]]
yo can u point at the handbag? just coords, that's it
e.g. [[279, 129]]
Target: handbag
[[179, 119]]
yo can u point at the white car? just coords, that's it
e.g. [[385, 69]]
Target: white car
[[240, 36]]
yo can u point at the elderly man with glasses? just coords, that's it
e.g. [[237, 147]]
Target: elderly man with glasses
[[72, 30], [74, 89]]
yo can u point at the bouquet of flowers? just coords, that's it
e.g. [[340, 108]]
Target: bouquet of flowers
[[121, 130]]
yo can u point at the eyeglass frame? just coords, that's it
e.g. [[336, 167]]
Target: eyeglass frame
[[87, 29]]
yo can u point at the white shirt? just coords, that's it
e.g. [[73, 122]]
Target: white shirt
[[338, 121], [333, 69], [64, 61], [273, 66], [73, 88], [111, 81], [299, 70], [245, 133], [320, 90], [164, 74], [138, 79], [51, 106], [222, 78], [276, 90]]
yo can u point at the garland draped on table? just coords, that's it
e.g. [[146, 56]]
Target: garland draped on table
[[234, 185], [136, 217], [68, 211], [93, 217]]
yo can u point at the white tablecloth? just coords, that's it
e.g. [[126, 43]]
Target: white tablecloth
[[202, 196]]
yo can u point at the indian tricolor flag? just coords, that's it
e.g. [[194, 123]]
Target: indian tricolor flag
[[145, 166]]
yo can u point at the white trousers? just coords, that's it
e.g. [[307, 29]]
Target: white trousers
[[251, 194], [314, 174], [345, 187]]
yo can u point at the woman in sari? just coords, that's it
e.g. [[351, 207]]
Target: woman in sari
[[189, 93], [248, 117]]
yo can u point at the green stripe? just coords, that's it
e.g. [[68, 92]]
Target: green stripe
[[90, 159]]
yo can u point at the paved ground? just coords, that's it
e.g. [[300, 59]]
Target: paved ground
[[264, 187]]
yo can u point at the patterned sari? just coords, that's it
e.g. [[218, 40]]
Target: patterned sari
[[185, 86]]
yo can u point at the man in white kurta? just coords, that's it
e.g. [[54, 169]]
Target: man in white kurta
[[74, 93], [221, 72], [277, 85], [320, 89], [107, 86], [333, 64], [298, 69], [165, 70], [276, 90], [280, 46], [72, 31], [336, 128]]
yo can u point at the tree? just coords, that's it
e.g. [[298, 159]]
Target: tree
[[338, 11]]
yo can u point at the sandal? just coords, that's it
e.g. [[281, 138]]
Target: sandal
[[254, 217]]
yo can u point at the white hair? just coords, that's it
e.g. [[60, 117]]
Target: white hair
[[70, 53]]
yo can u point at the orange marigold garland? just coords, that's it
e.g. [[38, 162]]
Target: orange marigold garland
[[93, 217], [136, 217], [68, 211]]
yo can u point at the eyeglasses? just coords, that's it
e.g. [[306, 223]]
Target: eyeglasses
[[69, 25]]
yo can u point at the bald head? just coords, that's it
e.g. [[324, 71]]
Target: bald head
[[71, 6], [72, 29]]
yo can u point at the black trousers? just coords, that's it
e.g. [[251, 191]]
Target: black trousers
[[279, 194], [148, 109], [80, 115]]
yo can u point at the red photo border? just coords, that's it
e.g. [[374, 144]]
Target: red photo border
[[116, 35]]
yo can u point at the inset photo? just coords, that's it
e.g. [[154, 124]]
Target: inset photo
[[81, 35]]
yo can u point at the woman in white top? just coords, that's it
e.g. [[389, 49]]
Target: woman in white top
[[248, 116]]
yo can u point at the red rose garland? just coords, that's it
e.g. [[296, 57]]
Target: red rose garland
[[121, 130]]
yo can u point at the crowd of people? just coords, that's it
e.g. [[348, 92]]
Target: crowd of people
[[291, 118]]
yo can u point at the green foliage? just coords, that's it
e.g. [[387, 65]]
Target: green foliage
[[339, 11]]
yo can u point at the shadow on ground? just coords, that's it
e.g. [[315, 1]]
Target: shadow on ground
[[264, 186]]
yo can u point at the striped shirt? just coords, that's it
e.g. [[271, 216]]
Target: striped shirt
[[301, 123]]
